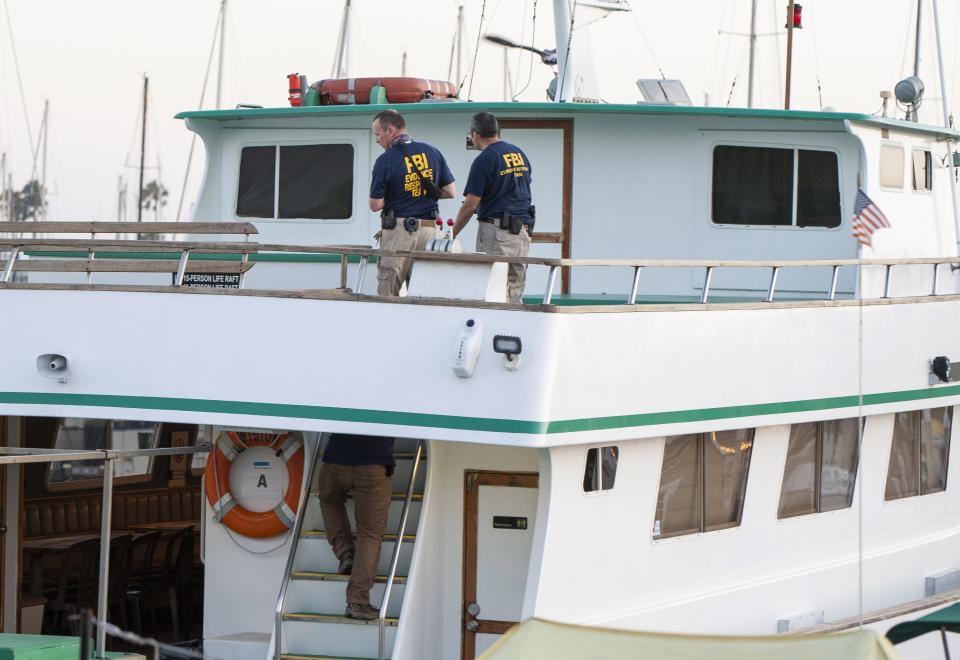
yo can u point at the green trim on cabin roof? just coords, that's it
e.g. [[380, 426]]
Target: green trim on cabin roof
[[559, 111], [461, 423]]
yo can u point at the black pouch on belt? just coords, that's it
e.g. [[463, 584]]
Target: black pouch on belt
[[411, 224], [516, 224], [388, 220]]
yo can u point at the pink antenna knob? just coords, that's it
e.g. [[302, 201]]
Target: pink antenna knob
[[439, 222], [449, 222]]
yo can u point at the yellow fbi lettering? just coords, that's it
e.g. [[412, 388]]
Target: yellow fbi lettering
[[515, 165], [411, 183], [419, 161]]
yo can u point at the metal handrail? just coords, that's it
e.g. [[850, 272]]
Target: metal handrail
[[292, 555], [396, 548]]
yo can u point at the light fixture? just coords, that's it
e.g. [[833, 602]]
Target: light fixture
[[54, 366], [510, 347]]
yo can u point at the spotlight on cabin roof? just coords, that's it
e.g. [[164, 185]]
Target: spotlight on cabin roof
[[663, 91], [909, 91]]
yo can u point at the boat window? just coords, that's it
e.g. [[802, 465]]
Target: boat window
[[755, 186], [605, 473], [821, 468], [315, 182], [919, 452], [256, 185], [922, 170], [702, 482], [87, 434], [891, 166]]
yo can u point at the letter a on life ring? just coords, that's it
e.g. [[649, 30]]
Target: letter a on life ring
[[253, 482]]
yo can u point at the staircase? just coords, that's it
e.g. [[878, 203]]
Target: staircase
[[312, 623]]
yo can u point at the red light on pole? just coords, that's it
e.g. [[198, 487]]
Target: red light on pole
[[797, 17]]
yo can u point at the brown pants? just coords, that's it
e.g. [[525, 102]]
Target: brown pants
[[392, 272], [371, 494]]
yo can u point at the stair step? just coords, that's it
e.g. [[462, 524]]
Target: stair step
[[321, 534], [310, 656], [335, 618], [396, 497], [337, 577]]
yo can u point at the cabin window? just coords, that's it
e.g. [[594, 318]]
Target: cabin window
[[919, 452], [702, 482], [821, 468], [600, 476], [311, 181], [922, 170], [764, 186], [891, 166], [90, 434]]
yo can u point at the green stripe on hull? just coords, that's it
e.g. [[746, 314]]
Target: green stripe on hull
[[468, 423]]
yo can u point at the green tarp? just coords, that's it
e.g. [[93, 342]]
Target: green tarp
[[536, 639], [948, 618]]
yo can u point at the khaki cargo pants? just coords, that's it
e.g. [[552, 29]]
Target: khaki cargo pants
[[493, 240], [372, 489], [392, 272]]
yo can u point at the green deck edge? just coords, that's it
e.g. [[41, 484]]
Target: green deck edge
[[463, 423]]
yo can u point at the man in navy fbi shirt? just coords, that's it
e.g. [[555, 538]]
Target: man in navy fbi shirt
[[398, 189], [498, 190], [363, 464]]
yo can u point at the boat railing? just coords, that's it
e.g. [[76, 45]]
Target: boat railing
[[296, 531], [401, 529], [92, 255]]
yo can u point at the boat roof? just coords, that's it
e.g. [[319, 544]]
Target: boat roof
[[441, 106]]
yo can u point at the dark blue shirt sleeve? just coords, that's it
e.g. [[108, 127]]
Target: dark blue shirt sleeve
[[379, 178]]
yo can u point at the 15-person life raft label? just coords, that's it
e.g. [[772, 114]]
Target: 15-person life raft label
[[212, 280]]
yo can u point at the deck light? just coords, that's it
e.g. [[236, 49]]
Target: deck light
[[940, 371], [510, 347], [54, 366]]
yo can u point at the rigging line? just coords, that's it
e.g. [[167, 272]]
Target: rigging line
[[716, 48], [718, 79], [642, 36], [956, 59], [566, 56], [533, 40], [473, 65], [203, 92], [911, 14], [860, 424], [736, 75], [776, 48], [523, 34], [16, 63]]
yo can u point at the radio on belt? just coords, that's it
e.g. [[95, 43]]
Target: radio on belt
[[468, 348]]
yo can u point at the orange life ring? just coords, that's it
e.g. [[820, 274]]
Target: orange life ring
[[226, 508], [356, 91]]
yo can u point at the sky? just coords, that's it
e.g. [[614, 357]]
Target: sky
[[88, 59]]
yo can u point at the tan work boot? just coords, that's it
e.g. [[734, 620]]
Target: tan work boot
[[365, 612]]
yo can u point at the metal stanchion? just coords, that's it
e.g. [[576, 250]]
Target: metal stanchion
[[86, 632]]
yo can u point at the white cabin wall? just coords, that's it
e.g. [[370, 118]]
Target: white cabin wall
[[922, 222], [432, 607], [206, 208], [602, 566]]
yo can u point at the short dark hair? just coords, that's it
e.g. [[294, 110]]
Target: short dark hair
[[485, 125], [391, 118]]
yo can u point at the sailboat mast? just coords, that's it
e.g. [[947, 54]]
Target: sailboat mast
[[947, 120], [562, 28], [916, 45], [143, 148], [223, 38], [786, 97], [459, 43], [43, 176], [343, 49], [753, 52]]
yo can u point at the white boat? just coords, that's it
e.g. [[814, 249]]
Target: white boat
[[673, 444]]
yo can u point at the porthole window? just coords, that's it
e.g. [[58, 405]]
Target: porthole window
[[919, 453], [703, 480], [821, 467], [600, 475]]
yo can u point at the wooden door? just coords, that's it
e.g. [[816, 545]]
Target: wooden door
[[499, 513], [549, 146]]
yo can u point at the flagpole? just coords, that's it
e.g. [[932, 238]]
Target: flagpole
[[946, 122]]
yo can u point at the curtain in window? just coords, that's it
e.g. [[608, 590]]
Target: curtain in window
[[934, 449], [726, 457], [797, 495], [678, 501], [902, 471], [838, 473]]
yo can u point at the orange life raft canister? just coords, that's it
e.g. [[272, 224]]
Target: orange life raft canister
[[264, 456], [356, 91]]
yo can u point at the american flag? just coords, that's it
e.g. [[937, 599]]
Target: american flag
[[867, 218]]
